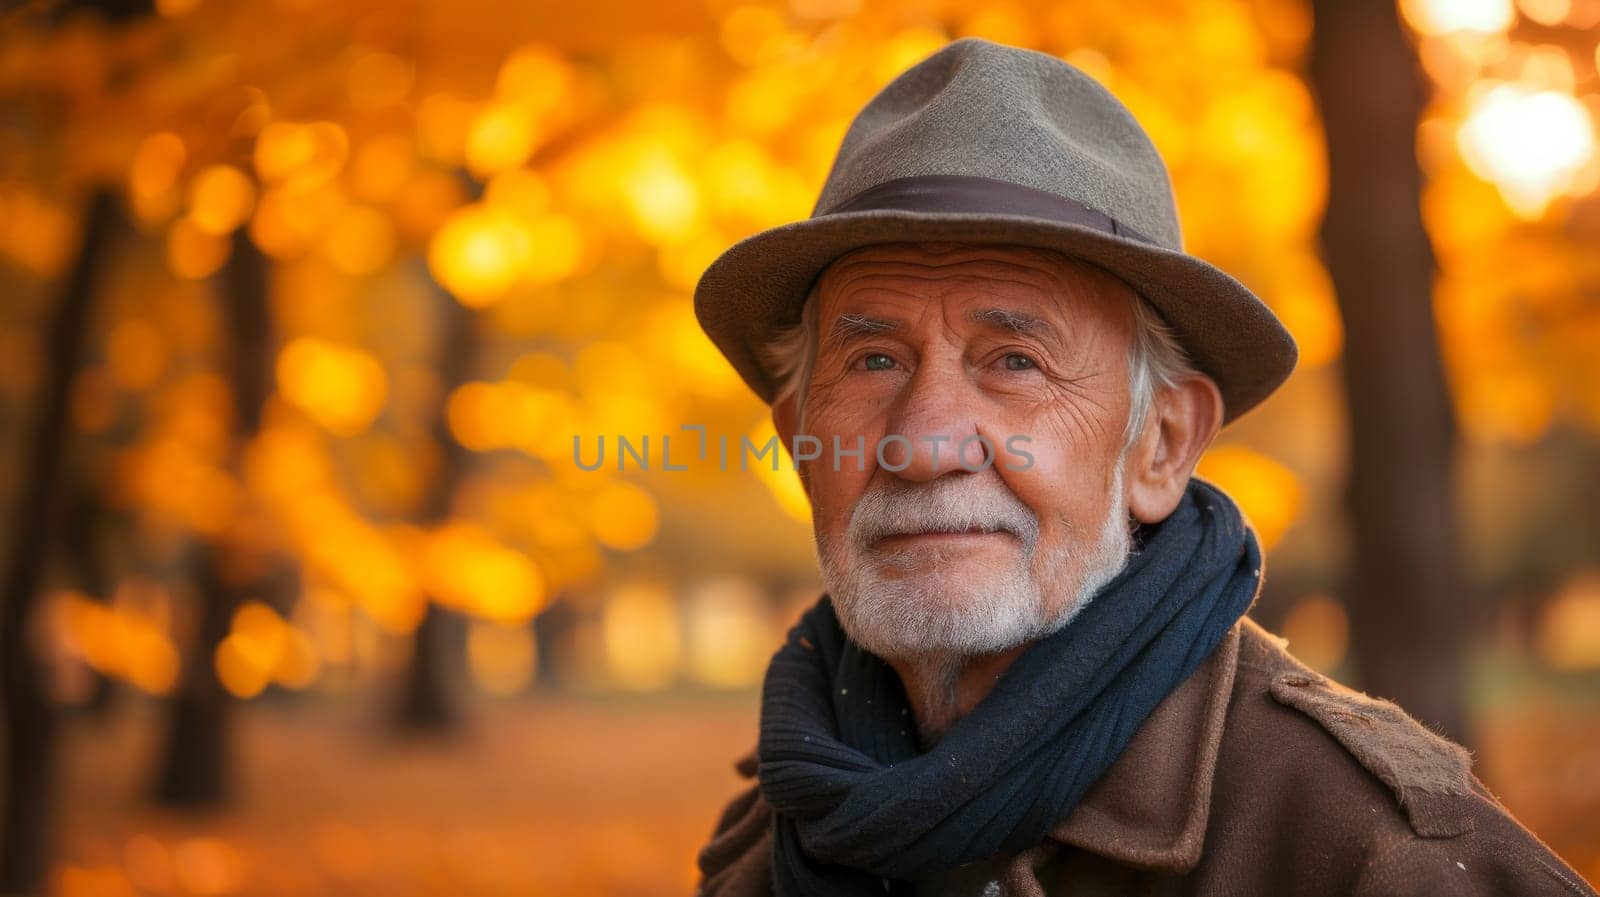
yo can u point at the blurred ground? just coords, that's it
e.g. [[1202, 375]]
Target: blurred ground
[[557, 795], [1541, 755]]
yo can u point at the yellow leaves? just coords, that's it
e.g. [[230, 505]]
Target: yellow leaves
[[761, 102], [520, 192], [1318, 630], [1269, 494], [301, 155], [1304, 300], [642, 636], [262, 648], [359, 240], [279, 228], [478, 254], [359, 559], [381, 167], [286, 461], [393, 475], [1007, 23], [128, 637], [1546, 67], [662, 199], [1261, 132], [341, 388], [742, 179], [1223, 34], [783, 482], [443, 122], [424, 201], [533, 92], [606, 368], [729, 637], [623, 516], [754, 34], [483, 251], [1446, 16], [36, 233], [463, 566], [153, 176], [1515, 406], [682, 261], [220, 199], [541, 369], [502, 136], [379, 79], [680, 345], [1569, 628], [903, 50], [720, 634], [536, 78], [488, 416], [175, 474], [558, 249], [1531, 143], [557, 245], [1460, 210], [194, 252]]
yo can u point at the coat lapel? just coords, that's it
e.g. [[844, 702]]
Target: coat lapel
[[1150, 808]]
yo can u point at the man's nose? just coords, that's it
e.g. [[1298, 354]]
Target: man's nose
[[933, 428]]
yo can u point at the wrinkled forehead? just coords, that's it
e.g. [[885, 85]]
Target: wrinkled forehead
[[1024, 278]]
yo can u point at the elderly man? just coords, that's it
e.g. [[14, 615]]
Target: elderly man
[[1031, 672]]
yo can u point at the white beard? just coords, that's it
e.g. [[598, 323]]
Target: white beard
[[916, 612]]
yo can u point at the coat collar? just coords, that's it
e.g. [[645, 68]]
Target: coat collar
[[1150, 808]]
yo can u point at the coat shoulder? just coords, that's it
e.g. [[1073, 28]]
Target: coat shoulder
[[1425, 772], [1363, 790]]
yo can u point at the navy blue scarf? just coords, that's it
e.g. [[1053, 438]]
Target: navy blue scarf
[[856, 801]]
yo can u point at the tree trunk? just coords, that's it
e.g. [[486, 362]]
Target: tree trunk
[[81, 537], [1409, 605], [30, 723], [426, 701], [194, 766]]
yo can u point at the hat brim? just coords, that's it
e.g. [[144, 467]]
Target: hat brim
[[756, 287]]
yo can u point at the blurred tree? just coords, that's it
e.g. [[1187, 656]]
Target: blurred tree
[[29, 732], [1409, 602], [84, 541], [194, 765], [113, 11], [427, 702]]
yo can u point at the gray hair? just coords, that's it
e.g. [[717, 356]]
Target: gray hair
[[1158, 360]]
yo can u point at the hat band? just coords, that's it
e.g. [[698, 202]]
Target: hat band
[[973, 193]]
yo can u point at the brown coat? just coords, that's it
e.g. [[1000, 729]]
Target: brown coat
[[1256, 776]]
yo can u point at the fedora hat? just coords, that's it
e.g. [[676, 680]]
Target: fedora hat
[[988, 143]]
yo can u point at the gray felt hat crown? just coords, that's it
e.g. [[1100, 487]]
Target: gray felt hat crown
[[988, 143]]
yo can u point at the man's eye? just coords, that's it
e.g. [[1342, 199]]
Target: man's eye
[[1015, 362], [877, 361]]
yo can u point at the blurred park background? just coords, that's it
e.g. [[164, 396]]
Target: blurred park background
[[306, 301]]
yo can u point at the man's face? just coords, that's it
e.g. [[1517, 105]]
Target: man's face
[[928, 345]]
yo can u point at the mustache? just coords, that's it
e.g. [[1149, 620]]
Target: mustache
[[956, 503]]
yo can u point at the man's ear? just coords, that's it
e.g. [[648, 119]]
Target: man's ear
[[1181, 423]]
